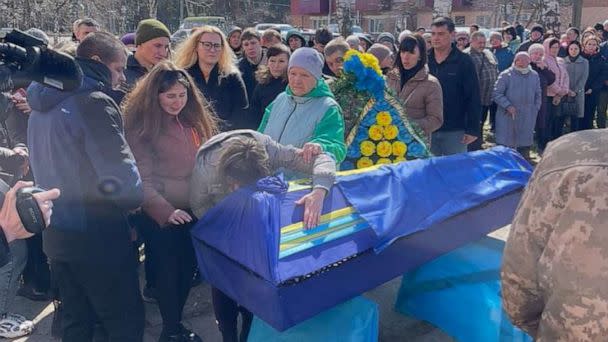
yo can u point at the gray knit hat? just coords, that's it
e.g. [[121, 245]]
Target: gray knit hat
[[386, 36], [308, 59], [380, 51]]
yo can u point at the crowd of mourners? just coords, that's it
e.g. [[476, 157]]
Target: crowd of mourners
[[157, 134]]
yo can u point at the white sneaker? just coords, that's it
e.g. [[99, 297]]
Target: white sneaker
[[14, 325]]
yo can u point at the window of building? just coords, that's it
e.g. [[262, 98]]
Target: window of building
[[482, 20], [376, 25], [318, 23], [459, 20]]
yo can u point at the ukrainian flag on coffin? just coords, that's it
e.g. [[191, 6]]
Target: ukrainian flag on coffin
[[261, 228], [381, 133]]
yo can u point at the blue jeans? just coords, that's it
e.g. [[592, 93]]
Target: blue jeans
[[9, 274], [447, 143]]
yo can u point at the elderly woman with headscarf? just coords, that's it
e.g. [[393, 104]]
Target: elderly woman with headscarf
[[518, 95], [462, 40], [547, 77], [384, 55], [559, 88]]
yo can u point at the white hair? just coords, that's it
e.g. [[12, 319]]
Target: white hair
[[353, 41], [536, 47], [403, 34]]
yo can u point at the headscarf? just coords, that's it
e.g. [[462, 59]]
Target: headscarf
[[549, 59], [580, 50], [518, 56]]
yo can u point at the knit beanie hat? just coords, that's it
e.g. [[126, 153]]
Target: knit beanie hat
[[380, 51], [386, 36], [234, 29], [538, 28], [308, 59], [150, 29], [128, 38]]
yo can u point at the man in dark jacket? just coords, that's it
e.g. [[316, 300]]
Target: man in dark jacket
[[152, 40], [536, 36], [77, 144], [461, 100], [253, 57]]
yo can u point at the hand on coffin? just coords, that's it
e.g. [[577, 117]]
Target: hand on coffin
[[313, 203], [179, 217], [310, 151]]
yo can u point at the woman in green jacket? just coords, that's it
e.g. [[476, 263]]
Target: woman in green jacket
[[306, 115]]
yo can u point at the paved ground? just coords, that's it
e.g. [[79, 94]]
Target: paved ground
[[199, 315]]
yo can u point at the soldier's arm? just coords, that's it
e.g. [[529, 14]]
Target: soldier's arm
[[521, 295]]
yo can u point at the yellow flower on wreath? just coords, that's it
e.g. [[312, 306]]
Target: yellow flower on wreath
[[383, 119], [367, 148], [400, 159], [376, 132], [391, 132], [383, 161], [384, 149], [399, 148], [364, 162], [368, 60]]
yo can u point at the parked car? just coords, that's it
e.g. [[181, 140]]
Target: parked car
[[335, 29], [192, 22], [283, 27], [179, 36]]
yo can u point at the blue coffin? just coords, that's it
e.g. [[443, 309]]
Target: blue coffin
[[378, 224]]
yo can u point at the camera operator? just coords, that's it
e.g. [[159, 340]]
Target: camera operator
[[13, 255]]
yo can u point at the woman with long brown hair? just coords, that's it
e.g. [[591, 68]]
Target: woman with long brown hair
[[166, 121], [210, 61]]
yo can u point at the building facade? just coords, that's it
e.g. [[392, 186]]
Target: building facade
[[375, 16]]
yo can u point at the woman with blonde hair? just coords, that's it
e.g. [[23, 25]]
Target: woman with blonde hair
[[166, 121], [208, 58]]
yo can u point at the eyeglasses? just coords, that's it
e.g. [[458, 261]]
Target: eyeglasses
[[211, 46]]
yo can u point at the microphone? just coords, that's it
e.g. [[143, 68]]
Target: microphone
[[44, 65]]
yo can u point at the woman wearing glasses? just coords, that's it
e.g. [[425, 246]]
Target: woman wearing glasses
[[210, 61]]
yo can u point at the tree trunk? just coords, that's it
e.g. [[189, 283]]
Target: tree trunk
[[577, 12]]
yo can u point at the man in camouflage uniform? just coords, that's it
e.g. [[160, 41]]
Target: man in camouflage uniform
[[555, 266]]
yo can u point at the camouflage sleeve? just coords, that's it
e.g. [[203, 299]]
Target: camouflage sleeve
[[521, 295], [555, 250]]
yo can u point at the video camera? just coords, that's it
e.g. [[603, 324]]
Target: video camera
[[33, 60], [21, 52]]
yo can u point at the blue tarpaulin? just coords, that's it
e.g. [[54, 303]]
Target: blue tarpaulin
[[394, 200], [459, 292], [355, 321]]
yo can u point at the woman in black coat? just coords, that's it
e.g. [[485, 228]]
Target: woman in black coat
[[272, 80], [595, 82], [547, 77], [210, 61]]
